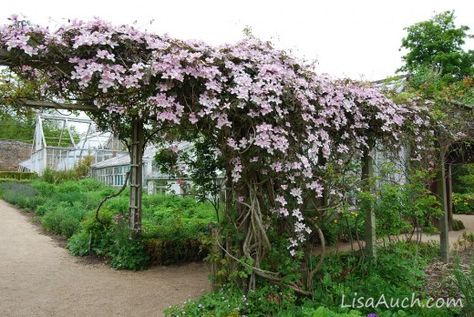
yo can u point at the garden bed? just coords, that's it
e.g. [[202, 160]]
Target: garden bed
[[173, 227]]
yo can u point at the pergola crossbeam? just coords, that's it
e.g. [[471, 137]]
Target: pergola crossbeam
[[57, 105]]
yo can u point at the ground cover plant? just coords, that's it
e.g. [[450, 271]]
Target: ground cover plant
[[397, 273]]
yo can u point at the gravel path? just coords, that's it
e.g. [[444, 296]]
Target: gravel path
[[468, 221], [39, 278]]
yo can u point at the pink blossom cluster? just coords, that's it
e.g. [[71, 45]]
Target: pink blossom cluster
[[274, 116]]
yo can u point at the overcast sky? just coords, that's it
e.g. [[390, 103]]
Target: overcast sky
[[353, 38]]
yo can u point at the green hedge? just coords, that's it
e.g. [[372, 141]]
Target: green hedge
[[17, 175]]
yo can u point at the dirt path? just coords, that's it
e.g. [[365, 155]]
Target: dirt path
[[40, 278]]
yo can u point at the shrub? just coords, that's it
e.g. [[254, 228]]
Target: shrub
[[166, 252], [398, 272], [463, 178], [17, 175], [463, 203], [269, 300], [172, 226], [458, 225], [56, 177], [80, 243], [113, 241], [400, 207], [126, 252], [80, 171], [22, 195], [63, 220], [326, 312]]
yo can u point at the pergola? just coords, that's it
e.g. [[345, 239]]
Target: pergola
[[277, 124], [136, 154]]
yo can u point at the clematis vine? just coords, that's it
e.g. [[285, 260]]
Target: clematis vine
[[277, 123]]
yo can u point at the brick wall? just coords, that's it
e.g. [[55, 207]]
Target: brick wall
[[12, 153]]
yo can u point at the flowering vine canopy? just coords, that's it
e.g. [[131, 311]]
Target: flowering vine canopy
[[275, 120]]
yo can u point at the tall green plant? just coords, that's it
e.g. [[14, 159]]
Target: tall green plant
[[465, 283]]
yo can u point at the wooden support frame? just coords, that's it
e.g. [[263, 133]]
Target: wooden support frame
[[56, 105], [136, 174], [449, 194], [444, 220], [367, 177]]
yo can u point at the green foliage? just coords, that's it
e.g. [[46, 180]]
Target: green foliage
[[463, 203], [401, 207], [325, 312], [465, 283], [463, 178], [17, 175], [175, 218], [17, 128], [437, 44], [80, 171], [126, 251], [20, 194], [22, 128], [204, 165], [112, 240], [174, 228], [398, 272], [229, 301], [458, 225], [463, 187], [167, 159], [203, 162], [64, 219], [79, 244]]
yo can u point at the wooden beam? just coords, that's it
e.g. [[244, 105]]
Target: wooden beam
[[449, 195], [57, 105], [367, 206], [136, 170], [444, 230]]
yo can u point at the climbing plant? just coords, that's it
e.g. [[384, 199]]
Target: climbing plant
[[283, 132]]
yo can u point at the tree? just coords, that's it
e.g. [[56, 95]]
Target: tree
[[442, 71], [436, 45]]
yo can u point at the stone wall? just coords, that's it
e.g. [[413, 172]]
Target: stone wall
[[12, 153]]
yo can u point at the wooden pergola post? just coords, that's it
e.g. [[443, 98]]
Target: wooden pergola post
[[136, 174], [449, 193], [367, 176], [444, 220], [136, 154]]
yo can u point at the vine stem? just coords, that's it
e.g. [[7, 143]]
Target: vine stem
[[111, 196]]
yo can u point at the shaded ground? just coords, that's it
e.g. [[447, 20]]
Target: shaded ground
[[39, 278], [441, 281]]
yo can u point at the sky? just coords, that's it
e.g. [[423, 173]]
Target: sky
[[359, 39]]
